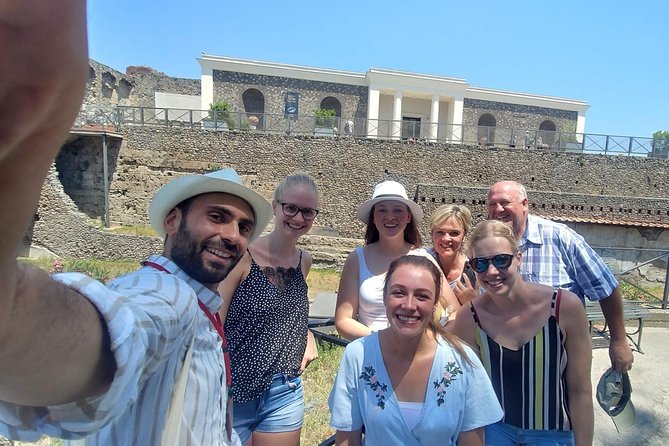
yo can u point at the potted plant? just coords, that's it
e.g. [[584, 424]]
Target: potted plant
[[219, 117], [325, 121]]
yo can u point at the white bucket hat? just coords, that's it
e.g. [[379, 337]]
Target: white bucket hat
[[392, 191], [614, 392], [185, 187]]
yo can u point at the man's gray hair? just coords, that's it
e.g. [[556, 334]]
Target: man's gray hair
[[522, 193]]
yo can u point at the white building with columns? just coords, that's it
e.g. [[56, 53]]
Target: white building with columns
[[384, 103]]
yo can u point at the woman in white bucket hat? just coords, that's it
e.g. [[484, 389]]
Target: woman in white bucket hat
[[392, 232]]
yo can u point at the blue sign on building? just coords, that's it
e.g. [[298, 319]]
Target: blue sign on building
[[292, 100]]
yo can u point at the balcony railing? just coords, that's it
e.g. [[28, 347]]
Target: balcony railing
[[409, 131]]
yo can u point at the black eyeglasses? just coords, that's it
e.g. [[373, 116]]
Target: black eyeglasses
[[290, 210], [500, 261]]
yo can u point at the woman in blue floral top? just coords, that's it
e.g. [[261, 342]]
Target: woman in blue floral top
[[411, 383]]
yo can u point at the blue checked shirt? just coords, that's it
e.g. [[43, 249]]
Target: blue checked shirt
[[555, 255], [150, 316]]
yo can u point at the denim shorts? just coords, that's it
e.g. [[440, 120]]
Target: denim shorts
[[279, 409], [502, 434]]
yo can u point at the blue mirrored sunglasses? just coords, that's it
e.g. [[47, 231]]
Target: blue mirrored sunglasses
[[500, 261]]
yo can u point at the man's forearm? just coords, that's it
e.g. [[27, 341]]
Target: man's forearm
[[612, 308], [619, 350], [54, 346]]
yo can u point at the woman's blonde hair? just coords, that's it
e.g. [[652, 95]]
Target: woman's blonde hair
[[298, 178], [446, 211], [492, 228]]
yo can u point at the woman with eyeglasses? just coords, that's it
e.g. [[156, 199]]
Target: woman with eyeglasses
[[265, 312], [534, 343], [392, 232]]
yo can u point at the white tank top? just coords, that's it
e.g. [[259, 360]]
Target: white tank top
[[371, 311], [411, 412]]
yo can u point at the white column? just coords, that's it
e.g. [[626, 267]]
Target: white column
[[455, 116], [434, 118], [580, 125], [396, 125], [206, 91], [373, 113]]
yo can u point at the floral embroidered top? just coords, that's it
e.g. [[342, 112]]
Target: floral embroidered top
[[458, 397]]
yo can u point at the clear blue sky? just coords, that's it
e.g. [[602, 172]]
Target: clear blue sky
[[612, 54]]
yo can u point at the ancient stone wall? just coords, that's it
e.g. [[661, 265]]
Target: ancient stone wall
[[63, 230], [620, 189], [512, 116], [137, 87], [230, 86], [346, 170]]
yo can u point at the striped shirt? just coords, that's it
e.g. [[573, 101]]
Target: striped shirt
[[150, 317], [530, 382], [555, 255]]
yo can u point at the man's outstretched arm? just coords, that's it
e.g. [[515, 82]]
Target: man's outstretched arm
[[47, 331]]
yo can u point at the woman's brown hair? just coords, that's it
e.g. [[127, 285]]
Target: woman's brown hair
[[433, 326]]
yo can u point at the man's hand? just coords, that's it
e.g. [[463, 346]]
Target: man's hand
[[621, 355], [43, 68]]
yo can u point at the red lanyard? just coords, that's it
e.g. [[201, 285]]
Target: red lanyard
[[215, 321]]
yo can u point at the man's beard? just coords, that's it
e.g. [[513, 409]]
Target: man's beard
[[187, 254]]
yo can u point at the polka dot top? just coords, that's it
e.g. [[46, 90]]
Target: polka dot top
[[266, 328]]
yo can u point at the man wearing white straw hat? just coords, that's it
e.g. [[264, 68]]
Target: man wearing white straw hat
[[141, 360]]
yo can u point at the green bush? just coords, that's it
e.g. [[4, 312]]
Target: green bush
[[219, 111], [325, 117], [661, 143]]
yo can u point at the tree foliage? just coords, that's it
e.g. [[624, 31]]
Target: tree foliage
[[661, 143]]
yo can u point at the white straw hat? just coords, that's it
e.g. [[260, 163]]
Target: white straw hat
[[225, 180], [392, 191]]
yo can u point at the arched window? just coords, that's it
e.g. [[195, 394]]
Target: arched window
[[546, 133], [254, 105], [330, 103], [486, 132]]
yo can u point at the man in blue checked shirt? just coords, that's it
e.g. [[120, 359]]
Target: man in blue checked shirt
[[554, 254], [79, 359]]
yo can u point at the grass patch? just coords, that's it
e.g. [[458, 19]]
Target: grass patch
[[143, 230], [317, 380], [639, 293], [44, 441], [102, 270], [322, 280]]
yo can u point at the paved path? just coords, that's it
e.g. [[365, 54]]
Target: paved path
[[650, 394]]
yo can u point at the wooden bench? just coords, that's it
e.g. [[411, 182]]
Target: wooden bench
[[631, 311]]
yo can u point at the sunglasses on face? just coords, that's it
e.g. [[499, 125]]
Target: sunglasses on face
[[290, 210], [500, 261]]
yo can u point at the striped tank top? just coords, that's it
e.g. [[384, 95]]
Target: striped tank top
[[531, 382]]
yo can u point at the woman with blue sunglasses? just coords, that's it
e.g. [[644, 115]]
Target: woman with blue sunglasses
[[524, 333]]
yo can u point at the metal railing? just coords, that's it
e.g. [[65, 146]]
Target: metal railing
[[409, 131], [644, 270]]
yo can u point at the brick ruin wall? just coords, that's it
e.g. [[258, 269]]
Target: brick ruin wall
[[346, 169], [136, 87]]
